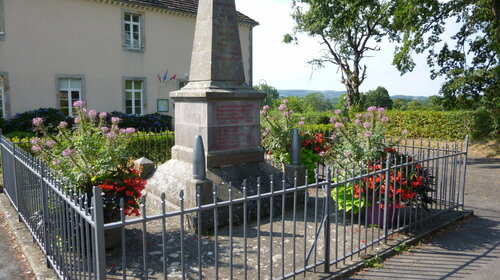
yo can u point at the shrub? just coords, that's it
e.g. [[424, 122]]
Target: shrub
[[149, 122], [22, 122], [451, 125]]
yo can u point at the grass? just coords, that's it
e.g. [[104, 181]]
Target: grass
[[374, 262], [403, 248]]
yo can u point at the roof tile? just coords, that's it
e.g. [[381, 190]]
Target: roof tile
[[189, 6]]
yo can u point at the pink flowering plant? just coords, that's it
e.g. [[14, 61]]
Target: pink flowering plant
[[277, 128], [89, 153], [358, 140]]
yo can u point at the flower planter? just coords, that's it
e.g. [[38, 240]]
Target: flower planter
[[113, 236], [375, 215]]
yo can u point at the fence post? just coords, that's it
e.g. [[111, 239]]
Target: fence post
[[14, 172], [386, 195], [465, 169], [327, 219], [99, 250], [45, 212]]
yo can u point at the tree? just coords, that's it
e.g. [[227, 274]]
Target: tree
[[379, 97], [318, 102], [400, 104], [272, 94], [472, 66], [348, 29]]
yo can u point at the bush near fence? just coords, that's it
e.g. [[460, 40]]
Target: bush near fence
[[153, 145], [445, 125], [20, 124]]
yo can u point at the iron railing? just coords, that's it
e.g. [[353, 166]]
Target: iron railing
[[284, 231]]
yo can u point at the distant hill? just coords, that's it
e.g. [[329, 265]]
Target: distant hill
[[336, 94], [304, 92], [420, 98]]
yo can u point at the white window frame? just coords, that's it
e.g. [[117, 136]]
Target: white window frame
[[127, 20], [69, 90], [134, 91]]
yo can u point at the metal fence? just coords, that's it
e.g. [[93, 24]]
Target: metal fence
[[284, 232]]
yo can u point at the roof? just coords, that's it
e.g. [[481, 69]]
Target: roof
[[188, 6]]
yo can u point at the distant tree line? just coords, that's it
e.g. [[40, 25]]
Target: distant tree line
[[317, 102]]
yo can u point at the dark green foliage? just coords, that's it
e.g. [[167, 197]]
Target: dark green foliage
[[378, 97], [272, 94], [149, 122], [22, 122], [471, 64]]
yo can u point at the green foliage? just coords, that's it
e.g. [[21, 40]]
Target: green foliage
[[22, 122], [315, 117], [471, 65], [403, 248], [318, 102], [154, 146], [453, 125], [378, 97], [444, 125], [374, 262], [148, 122], [343, 197], [272, 94]]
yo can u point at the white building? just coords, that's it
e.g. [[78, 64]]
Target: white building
[[108, 53]]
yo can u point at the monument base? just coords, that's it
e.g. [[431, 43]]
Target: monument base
[[174, 176]]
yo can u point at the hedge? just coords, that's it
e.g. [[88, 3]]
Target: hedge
[[444, 125], [20, 124], [155, 146]]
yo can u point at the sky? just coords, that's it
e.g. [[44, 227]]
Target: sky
[[284, 66]]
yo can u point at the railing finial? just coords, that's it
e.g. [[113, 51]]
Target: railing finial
[[295, 148], [199, 172]]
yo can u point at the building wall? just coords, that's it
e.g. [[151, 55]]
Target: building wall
[[45, 39]]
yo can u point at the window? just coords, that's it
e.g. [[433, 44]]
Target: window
[[2, 97], [181, 83], [133, 30], [134, 93], [70, 90]]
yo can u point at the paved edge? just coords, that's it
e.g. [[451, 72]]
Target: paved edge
[[23, 236], [348, 271]]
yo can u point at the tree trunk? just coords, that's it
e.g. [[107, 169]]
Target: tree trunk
[[352, 96], [496, 12]]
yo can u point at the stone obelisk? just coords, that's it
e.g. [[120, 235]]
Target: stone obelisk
[[216, 103]]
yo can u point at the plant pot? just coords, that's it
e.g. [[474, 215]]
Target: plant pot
[[375, 215], [113, 236]]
